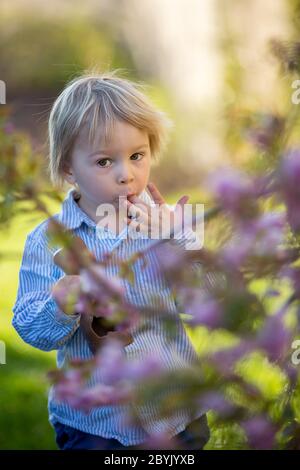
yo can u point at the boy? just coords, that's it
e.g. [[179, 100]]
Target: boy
[[104, 135]]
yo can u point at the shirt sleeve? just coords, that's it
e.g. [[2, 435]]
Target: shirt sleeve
[[37, 317]]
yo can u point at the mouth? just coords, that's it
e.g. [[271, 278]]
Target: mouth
[[127, 196]]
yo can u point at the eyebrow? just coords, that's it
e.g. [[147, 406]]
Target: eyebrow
[[107, 150]]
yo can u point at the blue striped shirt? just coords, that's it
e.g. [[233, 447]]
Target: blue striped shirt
[[40, 322]]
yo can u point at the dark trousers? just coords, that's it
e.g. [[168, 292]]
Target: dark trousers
[[194, 437]]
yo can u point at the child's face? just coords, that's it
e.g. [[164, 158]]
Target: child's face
[[104, 174]]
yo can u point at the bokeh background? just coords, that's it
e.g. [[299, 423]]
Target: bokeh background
[[208, 63]]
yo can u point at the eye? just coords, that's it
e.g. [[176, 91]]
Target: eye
[[137, 154], [102, 162]]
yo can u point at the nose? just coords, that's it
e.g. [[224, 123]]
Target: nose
[[125, 175]]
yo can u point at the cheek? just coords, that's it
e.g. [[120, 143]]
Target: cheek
[[78, 166], [86, 171], [144, 170]]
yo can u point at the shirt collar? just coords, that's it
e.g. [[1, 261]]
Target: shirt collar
[[72, 216]]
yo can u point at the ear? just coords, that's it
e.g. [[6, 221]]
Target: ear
[[68, 173]]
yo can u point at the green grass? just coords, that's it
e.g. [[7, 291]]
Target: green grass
[[23, 391], [23, 396]]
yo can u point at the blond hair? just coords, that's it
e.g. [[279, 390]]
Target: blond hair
[[97, 100]]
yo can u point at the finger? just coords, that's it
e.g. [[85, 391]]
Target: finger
[[157, 197], [136, 215], [129, 206], [134, 224], [137, 201], [132, 200], [137, 212], [183, 200]]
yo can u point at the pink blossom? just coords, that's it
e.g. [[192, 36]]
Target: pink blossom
[[95, 281], [114, 366], [118, 378], [205, 310], [234, 253], [69, 385], [265, 131], [110, 362], [269, 232], [289, 179], [139, 369], [260, 432], [225, 359], [259, 237], [234, 191], [102, 395], [107, 292], [170, 256], [215, 401], [274, 338]]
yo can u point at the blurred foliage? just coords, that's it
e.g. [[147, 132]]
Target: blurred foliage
[[42, 54]]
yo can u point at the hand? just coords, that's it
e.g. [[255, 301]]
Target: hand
[[150, 225], [65, 292]]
